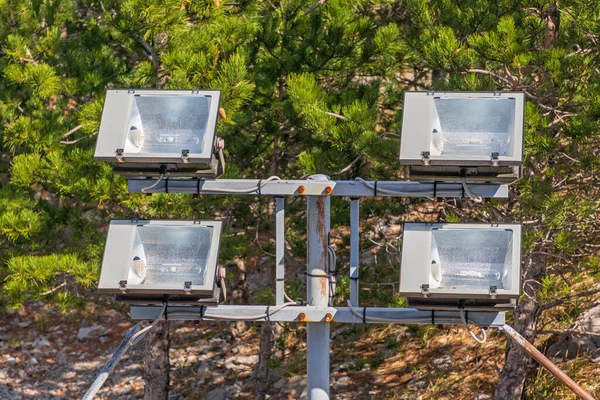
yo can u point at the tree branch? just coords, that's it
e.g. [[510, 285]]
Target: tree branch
[[314, 6], [72, 131], [567, 298]]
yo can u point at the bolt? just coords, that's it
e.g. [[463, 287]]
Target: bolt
[[328, 317], [328, 190], [301, 189], [302, 317]]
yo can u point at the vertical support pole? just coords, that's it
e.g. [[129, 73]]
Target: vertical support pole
[[279, 249], [354, 250], [317, 340]]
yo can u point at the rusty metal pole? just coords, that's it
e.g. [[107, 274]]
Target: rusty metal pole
[[317, 340], [546, 363]]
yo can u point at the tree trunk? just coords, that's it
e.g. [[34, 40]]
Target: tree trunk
[[156, 362], [518, 362], [262, 368]]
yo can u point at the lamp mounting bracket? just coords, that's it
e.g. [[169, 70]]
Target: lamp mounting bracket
[[425, 290], [493, 291], [119, 155], [187, 286], [425, 156], [123, 286], [494, 158], [185, 156]]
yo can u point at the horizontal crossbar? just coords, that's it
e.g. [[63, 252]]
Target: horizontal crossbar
[[317, 188], [319, 314]]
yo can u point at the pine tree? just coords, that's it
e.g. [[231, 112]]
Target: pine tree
[[307, 87]]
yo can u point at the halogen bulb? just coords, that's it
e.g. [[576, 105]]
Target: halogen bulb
[[435, 271], [139, 267], [136, 137]]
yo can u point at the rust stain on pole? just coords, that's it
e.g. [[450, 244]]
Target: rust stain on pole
[[546, 363]]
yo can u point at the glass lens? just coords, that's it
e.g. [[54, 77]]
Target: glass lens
[[475, 127], [172, 255], [168, 124], [471, 259]]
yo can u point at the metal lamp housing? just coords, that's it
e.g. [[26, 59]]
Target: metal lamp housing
[[475, 266], [475, 135], [145, 133], [148, 262]]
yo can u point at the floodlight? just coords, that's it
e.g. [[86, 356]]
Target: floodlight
[[147, 262], [469, 265], [447, 136], [150, 133]]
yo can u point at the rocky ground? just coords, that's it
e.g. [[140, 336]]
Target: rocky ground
[[48, 355]]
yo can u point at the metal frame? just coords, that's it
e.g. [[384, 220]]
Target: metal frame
[[352, 189], [318, 314], [321, 314]]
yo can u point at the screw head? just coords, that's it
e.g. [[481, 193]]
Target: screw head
[[301, 317], [301, 189], [328, 317], [328, 190]]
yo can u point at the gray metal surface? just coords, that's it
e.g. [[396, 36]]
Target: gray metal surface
[[279, 250], [318, 188], [313, 314], [354, 250], [317, 292], [114, 127], [111, 363], [118, 258], [418, 253], [418, 125]]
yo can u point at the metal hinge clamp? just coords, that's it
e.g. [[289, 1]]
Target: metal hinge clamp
[[185, 156], [425, 157], [495, 160]]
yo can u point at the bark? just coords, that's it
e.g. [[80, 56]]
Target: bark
[[156, 362], [262, 368], [518, 363], [551, 17]]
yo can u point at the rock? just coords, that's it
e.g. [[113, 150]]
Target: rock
[[418, 382], [571, 345], [217, 394], [482, 396], [11, 361], [443, 363], [246, 360], [91, 332], [342, 382], [42, 342], [33, 361], [296, 386], [280, 383], [23, 324]]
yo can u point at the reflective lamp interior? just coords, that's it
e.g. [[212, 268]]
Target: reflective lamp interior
[[170, 256], [471, 259], [167, 124], [475, 127]]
